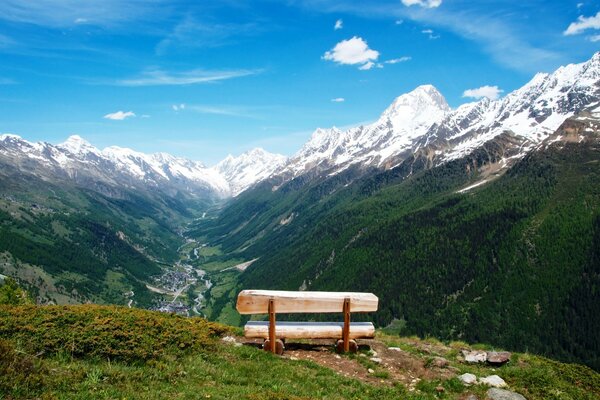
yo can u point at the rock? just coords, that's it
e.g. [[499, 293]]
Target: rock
[[440, 389], [371, 371], [231, 340], [294, 358], [501, 394], [395, 348], [468, 379], [376, 360], [472, 397], [475, 356], [494, 381], [439, 362], [498, 357]]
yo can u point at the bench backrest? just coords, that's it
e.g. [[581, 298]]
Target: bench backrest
[[257, 302]]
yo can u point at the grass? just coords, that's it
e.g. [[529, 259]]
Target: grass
[[83, 352]]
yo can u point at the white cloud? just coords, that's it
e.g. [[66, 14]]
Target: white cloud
[[338, 100], [119, 115], [399, 22], [430, 33], [398, 60], [423, 3], [178, 107], [595, 38], [582, 24], [81, 20], [351, 52], [158, 77], [339, 24], [491, 92]]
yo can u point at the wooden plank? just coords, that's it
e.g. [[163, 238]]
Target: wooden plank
[[257, 301], [309, 330]]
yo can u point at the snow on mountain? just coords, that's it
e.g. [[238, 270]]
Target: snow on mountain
[[532, 112], [79, 160], [249, 168], [408, 118], [422, 119]]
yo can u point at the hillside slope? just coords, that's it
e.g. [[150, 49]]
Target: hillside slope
[[82, 352], [450, 251]]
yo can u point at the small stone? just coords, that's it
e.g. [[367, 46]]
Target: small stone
[[468, 379], [494, 381], [472, 397], [362, 355], [229, 339], [293, 358], [395, 348], [440, 389], [373, 353], [338, 356], [475, 356], [376, 360], [501, 394], [498, 357], [371, 371]]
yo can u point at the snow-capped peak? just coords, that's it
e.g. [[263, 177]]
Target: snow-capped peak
[[75, 144], [425, 103], [248, 168]]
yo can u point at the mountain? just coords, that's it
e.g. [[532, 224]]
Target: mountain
[[247, 169], [421, 124], [482, 226]]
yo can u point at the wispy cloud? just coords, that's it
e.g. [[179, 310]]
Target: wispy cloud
[[194, 33], [507, 37], [430, 33], [338, 100], [61, 13], [595, 38], [120, 115], [339, 24], [354, 51], [178, 107], [491, 92], [7, 81], [157, 77], [423, 3], [398, 60], [582, 24], [231, 111]]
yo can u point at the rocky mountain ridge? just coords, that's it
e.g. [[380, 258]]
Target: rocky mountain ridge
[[78, 160]]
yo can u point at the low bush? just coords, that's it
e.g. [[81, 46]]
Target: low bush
[[105, 332]]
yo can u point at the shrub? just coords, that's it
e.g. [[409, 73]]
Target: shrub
[[106, 332]]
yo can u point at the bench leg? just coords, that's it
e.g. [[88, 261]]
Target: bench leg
[[279, 346], [352, 346]]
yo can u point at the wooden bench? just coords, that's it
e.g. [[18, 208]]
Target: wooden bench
[[278, 301]]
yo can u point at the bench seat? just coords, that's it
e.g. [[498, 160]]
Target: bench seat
[[309, 330]]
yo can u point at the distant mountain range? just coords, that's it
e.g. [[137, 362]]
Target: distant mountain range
[[418, 124], [81, 162]]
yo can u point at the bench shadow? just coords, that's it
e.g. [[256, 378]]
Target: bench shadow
[[313, 345]]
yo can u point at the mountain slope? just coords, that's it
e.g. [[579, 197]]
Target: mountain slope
[[511, 262]]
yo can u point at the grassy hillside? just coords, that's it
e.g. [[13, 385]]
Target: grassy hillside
[[70, 244], [513, 262], [82, 352]]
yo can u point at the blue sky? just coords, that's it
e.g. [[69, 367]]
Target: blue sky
[[202, 79]]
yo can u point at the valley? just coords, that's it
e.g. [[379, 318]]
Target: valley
[[480, 223]]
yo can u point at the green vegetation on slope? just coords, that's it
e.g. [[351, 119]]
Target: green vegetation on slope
[[117, 352], [514, 262]]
